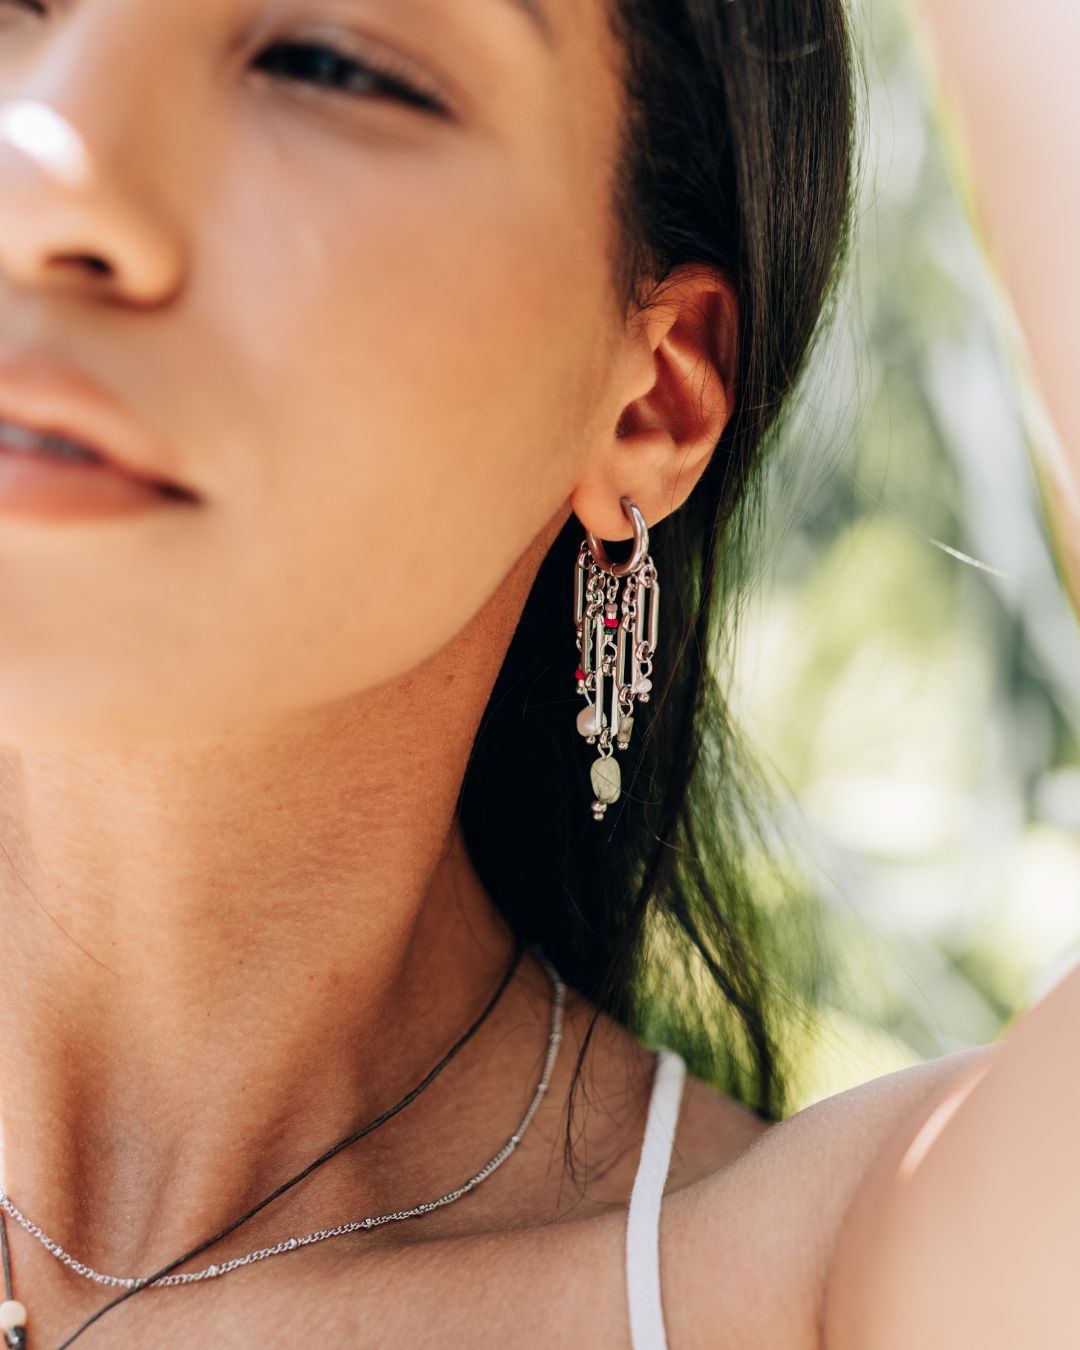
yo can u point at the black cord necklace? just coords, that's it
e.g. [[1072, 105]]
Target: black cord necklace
[[15, 1336]]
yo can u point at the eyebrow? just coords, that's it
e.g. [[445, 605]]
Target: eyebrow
[[533, 11]]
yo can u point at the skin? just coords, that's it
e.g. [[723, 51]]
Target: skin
[[386, 350]]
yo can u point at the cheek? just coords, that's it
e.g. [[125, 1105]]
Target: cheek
[[427, 367]]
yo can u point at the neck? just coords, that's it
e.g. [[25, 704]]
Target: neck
[[221, 958]]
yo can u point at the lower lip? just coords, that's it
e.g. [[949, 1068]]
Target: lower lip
[[39, 487]]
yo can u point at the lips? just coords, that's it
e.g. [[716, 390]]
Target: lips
[[58, 399]]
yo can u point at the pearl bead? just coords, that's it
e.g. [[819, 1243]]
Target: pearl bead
[[591, 720], [12, 1315]]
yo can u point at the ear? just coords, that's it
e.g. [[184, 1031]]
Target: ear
[[674, 393]]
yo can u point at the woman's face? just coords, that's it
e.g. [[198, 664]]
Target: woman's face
[[377, 336]]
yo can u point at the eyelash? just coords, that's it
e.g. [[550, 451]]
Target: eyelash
[[381, 74]]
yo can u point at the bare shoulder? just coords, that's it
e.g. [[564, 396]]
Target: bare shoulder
[[747, 1244]]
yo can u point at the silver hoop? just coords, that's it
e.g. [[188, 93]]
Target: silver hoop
[[641, 543]]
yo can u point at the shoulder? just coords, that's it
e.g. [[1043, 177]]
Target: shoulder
[[747, 1246]]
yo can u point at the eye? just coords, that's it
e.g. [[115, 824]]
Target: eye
[[327, 67]]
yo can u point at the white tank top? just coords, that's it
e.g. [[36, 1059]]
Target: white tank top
[[643, 1222]]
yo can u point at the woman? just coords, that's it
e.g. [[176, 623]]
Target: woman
[[371, 310]]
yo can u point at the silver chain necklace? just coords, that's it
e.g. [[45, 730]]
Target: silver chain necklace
[[15, 1334]]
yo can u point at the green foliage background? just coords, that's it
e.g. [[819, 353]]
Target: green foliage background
[[909, 666]]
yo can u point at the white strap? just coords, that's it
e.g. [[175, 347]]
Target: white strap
[[643, 1222]]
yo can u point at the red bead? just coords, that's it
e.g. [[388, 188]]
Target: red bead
[[611, 623], [579, 674]]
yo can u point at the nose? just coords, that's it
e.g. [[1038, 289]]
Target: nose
[[71, 220]]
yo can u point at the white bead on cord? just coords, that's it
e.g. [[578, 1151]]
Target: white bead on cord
[[13, 1324], [12, 1315]]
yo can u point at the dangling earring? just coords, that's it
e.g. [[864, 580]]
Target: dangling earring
[[616, 642]]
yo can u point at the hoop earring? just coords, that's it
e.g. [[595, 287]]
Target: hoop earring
[[616, 641]]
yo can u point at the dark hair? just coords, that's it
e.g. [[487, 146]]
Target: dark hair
[[738, 152]]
